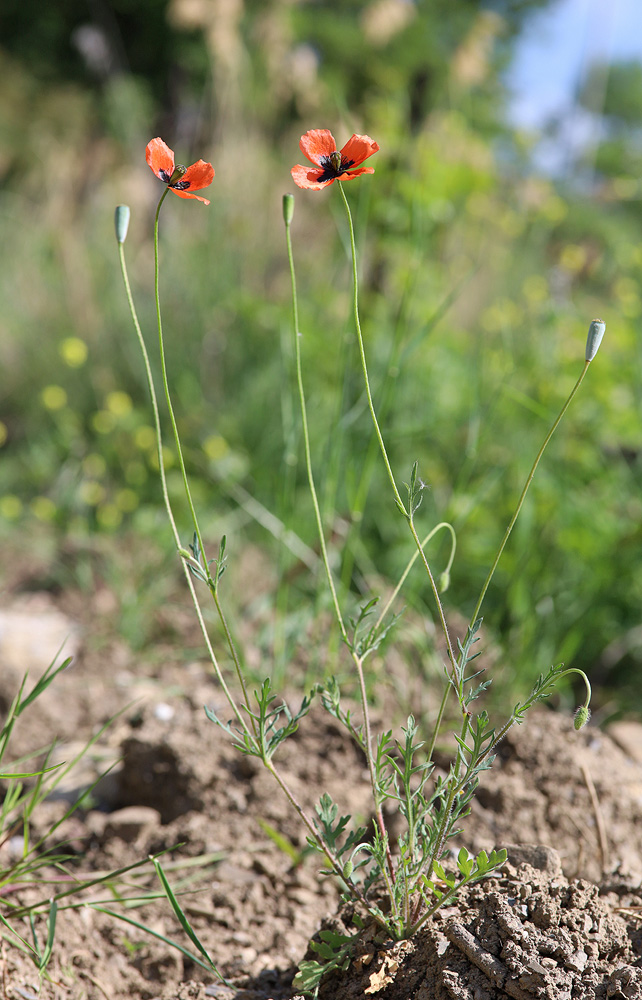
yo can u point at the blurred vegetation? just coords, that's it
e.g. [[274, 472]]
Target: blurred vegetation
[[479, 279]]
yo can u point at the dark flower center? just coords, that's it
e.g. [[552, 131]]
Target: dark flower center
[[333, 165]]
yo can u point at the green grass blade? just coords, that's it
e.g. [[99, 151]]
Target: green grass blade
[[208, 966], [182, 919], [51, 934], [14, 775], [281, 842], [43, 683], [21, 943]]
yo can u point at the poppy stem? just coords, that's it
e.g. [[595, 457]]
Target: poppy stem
[[408, 513], [358, 661], [306, 437], [211, 583], [520, 502], [502, 545], [163, 478]]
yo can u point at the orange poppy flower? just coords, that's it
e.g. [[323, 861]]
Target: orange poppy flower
[[177, 177], [331, 164]]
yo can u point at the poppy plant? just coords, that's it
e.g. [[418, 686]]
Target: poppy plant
[[179, 179], [330, 163]]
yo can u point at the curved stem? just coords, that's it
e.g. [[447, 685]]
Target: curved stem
[[587, 684], [412, 561]]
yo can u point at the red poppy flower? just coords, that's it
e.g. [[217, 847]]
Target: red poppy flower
[[330, 164], [178, 178]]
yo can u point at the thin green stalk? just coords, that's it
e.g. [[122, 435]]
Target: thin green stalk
[[212, 584], [324, 553], [384, 453], [364, 366], [306, 436], [440, 609], [443, 829], [453, 546], [163, 478], [437, 724], [335, 864], [520, 502]]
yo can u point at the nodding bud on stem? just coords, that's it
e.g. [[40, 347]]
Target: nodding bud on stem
[[594, 339], [444, 582], [121, 221], [582, 716], [288, 208]]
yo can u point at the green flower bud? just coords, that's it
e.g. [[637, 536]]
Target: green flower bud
[[582, 716], [288, 208], [348, 869], [594, 339], [444, 582], [121, 221]]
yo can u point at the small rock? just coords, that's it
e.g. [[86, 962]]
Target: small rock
[[577, 961], [33, 633], [628, 736], [164, 712], [539, 856], [129, 823], [220, 992]]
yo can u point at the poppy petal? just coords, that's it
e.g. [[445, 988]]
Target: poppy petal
[[199, 175], [161, 159], [188, 194], [303, 177], [358, 148], [316, 143], [349, 174]]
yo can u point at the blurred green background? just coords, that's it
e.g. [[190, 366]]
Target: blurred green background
[[479, 277]]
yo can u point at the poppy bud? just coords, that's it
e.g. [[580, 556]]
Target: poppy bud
[[121, 221], [444, 582], [594, 339], [582, 716], [288, 208]]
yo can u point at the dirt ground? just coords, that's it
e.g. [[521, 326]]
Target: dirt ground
[[562, 920]]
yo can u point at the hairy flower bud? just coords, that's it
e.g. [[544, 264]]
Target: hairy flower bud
[[582, 716]]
